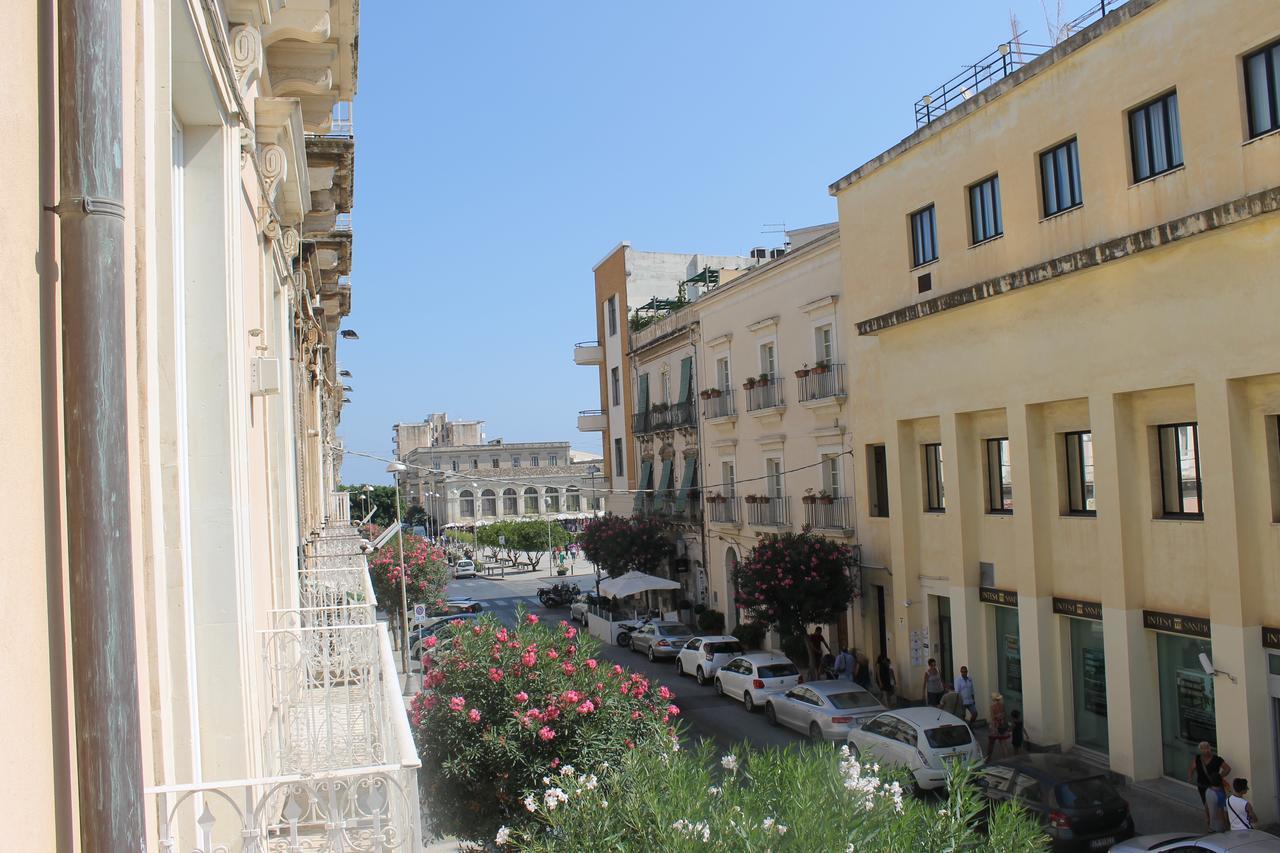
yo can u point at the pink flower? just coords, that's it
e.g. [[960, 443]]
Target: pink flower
[[586, 707], [569, 669], [617, 670], [591, 664], [430, 642], [673, 710], [457, 703], [473, 715], [502, 635], [635, 715], [664, 692], [522, 697], [546, 733], [570, 632], [477, 630], [529, 658], [553, 654], [533, 620], [570, 697], [495, 675]]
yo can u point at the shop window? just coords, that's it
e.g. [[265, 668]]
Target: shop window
[[999, 477], [1187, 714], [1079, 470], [1009, 658], [1179, 451], [934, 498], [1089, 683], [878, 480]]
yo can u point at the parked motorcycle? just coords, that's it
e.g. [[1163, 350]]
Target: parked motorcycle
[[558, 595]]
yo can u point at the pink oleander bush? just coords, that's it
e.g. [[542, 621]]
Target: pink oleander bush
[[504, 708], [619, 545], [425, 568], [789, 581]]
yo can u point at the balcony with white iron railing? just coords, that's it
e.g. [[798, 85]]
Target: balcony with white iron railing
[[724, 509], [718, 405], [341, 756], [768, 511], [829, 514]]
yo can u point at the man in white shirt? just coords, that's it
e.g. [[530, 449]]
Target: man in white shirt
[[1239, 809], [964, 686]]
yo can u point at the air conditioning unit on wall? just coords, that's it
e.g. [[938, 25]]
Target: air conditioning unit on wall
[[264, 376]]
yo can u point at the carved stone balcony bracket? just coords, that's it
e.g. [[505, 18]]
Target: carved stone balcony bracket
[[247, 58]]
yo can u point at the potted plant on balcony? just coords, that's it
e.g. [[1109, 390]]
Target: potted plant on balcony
[[825, 498], [809, 497], [803, 371], [705, 393], [763, 379], [716, 393], [749, 384], [752, 499], [820, 367]]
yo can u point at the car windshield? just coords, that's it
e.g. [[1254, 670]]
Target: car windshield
[[1086, 793], [944, 737], [673, 631], [723, 648], [852, 699], [778, 670]]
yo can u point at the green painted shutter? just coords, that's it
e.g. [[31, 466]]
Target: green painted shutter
[[644, 393], [690, 472], [646, 471], [664, 485], [686, 378]]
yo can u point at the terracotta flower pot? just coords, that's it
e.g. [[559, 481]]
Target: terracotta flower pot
[[716, 392], [801, 374], [809, 499], [827, 500], [706, 395]]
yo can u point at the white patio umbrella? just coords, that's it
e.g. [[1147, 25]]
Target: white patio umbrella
[[632, 583]]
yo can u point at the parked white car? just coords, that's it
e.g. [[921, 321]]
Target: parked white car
[[922, 740], [702, 656], [751, 678], [464, 569]]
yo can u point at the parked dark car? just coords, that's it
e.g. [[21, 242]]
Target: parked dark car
[[1077, 805]]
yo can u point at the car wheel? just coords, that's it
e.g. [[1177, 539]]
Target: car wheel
[[679, 667], [815, 732], [701, 676], [770, 714], [624, 640], [719, 688], [747, 701], [651, 657]]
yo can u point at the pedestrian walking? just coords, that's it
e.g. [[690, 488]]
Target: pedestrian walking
[[997, 725], [1215, 802], [844, 665], [861, 670], [1017, 732], [964, 686], [816, 645], [933, 685], [1207, 770], [1239, 810], [886, 679]]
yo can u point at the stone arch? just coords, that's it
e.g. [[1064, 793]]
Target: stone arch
[[488, 503]]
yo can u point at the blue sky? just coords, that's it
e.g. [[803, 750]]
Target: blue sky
[[503, 148]]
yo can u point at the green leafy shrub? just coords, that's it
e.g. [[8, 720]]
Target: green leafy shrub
[[751, 634], [810, 798], [426, 572], [501, 708], [710, 621]]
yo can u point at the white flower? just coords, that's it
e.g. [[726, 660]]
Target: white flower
[[554, 797], [503, 837], [730, 763], [714, 790], [604, 803], [767, 823], [591, 782], [530, 803], [546, 780], [566, 770], [782, 830], [942, 812]]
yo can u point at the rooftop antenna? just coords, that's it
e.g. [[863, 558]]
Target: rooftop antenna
[[1058, 28], [776, 228]]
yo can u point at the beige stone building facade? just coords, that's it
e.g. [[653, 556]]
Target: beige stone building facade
[[1065, 382], [178, 237]]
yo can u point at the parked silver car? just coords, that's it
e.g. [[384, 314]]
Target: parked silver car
[[824, 710], [660, 639], [1240, 841]]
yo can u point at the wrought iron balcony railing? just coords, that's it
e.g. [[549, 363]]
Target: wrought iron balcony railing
[[767, 396], [665, 417], [719, 406], [826, 384], [769, 512], [836, 515], [725, 511]]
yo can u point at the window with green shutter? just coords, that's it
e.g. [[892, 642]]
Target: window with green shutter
[[686, 379], [687, 482], [642, 485]]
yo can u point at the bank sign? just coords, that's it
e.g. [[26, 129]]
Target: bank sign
[[1174, 623], [1077, 608]]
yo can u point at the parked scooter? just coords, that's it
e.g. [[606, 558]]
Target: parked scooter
[[558, 595]]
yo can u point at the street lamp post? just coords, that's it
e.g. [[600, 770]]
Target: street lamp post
[[546, 506], [592, 470], [398, 468]]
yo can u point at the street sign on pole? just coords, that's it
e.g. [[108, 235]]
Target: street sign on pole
[[502, 540], [419, 612]]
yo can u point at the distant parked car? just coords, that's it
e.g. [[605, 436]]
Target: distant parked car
[[824, 710], [454, 606], [582, 605], [702, 656], [1075, 803], [660, 639], [753, 677], [1240, 841], [438, 627], [920, 739], [464, 569]]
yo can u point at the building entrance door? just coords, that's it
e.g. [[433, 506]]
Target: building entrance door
[[882, 626], [941, 648]]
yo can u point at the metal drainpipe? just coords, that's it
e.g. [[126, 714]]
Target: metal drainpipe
[[99, 546]]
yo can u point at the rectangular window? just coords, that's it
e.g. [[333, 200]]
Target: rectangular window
[[728, 476], [1080, 473], [1179, 448], [831, 474], [494, 462], [454, 464], [1155, 137], [768, 359], [773, 477], [611, 310], [475, 464], [515, 461], [615, 385], [1262, 89], [984, 210], [924, 237], [1060, 178], [533, 460], [999, 476], [824, 344], [553, 460], [619, 466], [934, 498], [665, 378], [722, 373], [878, 480]]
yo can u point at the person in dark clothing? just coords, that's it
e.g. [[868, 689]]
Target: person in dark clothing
[[886, 679], [1017, 734], [1208, 770], [861, 671]]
